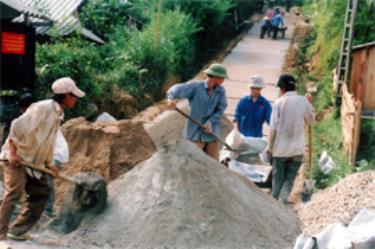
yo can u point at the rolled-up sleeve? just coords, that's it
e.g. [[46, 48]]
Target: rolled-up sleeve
[[181, 91]]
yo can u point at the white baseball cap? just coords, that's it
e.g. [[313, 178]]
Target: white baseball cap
[[67, 85], [256, 81]]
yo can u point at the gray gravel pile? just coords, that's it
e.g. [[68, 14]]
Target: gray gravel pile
[[180, 198]]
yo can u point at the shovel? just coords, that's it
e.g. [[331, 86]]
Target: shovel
[[308, 185], [202, 127], [50, 172]]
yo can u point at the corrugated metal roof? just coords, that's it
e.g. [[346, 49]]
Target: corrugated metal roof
[[63, 14], [23, 8], [56, 10]]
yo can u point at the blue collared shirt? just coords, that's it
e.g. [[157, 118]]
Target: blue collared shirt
[[251, 115], [277, 20], [206, 109]]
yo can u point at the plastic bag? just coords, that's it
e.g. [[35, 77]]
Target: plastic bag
[[234, 139], [61, 150], [326, 163], [104, 117]]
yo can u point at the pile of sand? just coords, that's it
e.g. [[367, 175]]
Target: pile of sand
[[169, 125], [339, 203], [181, 198], [106, 148]]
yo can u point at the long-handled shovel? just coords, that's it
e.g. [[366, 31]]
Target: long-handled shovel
[[50, 172], [203, 127], [309, 184], [89, 196]]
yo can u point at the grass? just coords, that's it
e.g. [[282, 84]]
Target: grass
[[327, 132], [366, 150], [327, 137]]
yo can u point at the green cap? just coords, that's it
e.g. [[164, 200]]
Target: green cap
[[217, 70]]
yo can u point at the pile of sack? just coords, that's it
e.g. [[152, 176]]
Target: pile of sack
[[359, 234], [248, 157]]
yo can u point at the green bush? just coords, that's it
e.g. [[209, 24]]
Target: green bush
[[367, 146], [104, 16], [146, 44], [164, 47], [365, 23], [326, 136], [75, 58], [327, 18]]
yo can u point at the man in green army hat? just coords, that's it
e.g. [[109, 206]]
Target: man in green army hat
[[207, 104]]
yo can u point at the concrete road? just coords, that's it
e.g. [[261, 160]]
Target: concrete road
[[255, 56]]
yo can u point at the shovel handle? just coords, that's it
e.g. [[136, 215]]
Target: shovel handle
[[201, 126], [46, 171], [310, 151]]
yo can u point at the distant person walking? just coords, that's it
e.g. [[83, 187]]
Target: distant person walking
[[266, 26], [277, 23]]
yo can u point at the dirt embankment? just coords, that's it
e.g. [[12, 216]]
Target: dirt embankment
[[301, 30]]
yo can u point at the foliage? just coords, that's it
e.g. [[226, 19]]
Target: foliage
[[326, 136], [75, 58], [147, 41], [365, 23], [163, 48], [367, 146], [328, 20]]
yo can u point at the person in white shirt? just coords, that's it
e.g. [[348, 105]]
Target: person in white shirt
[[290, 114], [31, 140]]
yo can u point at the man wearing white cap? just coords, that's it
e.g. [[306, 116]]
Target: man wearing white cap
[[252, 111], [31, 140]]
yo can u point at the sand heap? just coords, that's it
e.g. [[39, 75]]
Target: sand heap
[[339, 203], [181, 198], [169, 125], [106, 148]]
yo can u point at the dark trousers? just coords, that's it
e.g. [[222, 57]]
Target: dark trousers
[[266, 28], [51, 198], [37, 191], [275, 30], [284, 172]]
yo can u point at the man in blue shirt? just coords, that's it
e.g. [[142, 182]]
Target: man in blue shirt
[[252, 111], [207, 104], [277, 22]]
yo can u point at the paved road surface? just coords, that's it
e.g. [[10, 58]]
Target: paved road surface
[[253, 56]]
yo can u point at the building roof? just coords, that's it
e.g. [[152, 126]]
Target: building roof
[[13, 8], [366, 45], [62, 14]]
